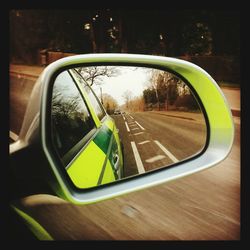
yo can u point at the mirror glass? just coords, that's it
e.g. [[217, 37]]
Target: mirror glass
[[114, 122]]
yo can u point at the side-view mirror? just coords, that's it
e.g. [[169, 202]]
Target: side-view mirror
[[102, 125]]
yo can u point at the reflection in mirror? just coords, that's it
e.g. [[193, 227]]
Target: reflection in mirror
[[113, 122]]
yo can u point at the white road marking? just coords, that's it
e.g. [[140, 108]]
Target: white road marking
[[139, 125], [138, 161], [127, 127], [123, 117], [139, 133], [132, 124], [155, 158], [131, 117], [13, 136], [169, 154], [134, 128], [143, 142]]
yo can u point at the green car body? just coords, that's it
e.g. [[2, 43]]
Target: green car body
[[94, 154]]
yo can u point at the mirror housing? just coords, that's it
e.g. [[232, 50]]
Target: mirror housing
[[220, 127]]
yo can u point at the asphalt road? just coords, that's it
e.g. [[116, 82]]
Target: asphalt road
[[202, 206], [155, 139], [20, 89]]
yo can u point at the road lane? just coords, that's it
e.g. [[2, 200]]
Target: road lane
[[181, 136], [169, 138], [166, 151]]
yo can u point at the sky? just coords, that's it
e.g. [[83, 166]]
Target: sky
[[134, 79]]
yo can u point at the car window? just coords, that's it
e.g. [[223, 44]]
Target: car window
[[72, 123], [99, 110], [95, 102]]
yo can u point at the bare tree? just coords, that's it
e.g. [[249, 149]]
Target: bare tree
[[109, 103], [137, 104], [127, 95], [163, 88], [94, 74]]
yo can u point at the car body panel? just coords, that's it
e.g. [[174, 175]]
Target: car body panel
[[80, 171], [93, 165], [34, 226]]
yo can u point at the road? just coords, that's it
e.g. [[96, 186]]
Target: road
[[155, 139], [20, 89], [202, 206]]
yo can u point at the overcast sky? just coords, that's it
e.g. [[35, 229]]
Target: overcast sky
[[134, 79]]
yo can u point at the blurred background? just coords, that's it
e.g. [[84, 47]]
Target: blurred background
[[209, 38]]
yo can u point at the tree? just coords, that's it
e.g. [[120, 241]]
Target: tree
[[160, 32], [164, 88], [197, 39], [69, 118], [95, 74], [149, 96], [127, 95], [109, 103], [27, 34], [137, 104]]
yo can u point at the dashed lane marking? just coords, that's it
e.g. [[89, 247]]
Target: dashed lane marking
[[138, 161], [138, 133], [143, 142], [134, 128], [155, 158], [127, 127], [139, 125], [166, 151]]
